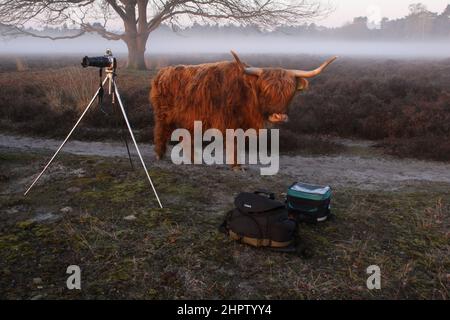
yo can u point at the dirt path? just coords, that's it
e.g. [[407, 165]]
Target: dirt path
[[361, 172]]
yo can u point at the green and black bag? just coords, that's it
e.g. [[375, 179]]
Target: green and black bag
[[309, 203], [260, 221]]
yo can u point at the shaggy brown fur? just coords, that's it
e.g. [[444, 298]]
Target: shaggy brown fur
[[220, 95]]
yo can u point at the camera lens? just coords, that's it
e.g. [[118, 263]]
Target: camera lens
[[99, 62], [85, 62]]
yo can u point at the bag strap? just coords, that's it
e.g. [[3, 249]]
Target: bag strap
[[259, 242]]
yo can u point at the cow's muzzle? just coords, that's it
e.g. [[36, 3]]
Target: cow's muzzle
[[278, 117]]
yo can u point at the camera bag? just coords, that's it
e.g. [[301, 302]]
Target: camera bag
[[309, 203], [260, 221]]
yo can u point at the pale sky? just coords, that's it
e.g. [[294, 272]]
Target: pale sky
[[347, 9]]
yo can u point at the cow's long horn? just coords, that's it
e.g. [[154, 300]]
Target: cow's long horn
[[313, 73], [238, 61], [253, 71], [244, 68]]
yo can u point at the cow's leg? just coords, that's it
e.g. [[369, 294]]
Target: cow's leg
[[161, 137], [192, 146], [234, 161]]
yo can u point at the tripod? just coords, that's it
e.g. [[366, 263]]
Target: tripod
[[114, 91]]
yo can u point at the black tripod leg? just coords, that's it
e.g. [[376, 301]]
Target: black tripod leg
[[128, 149], [122, 132]]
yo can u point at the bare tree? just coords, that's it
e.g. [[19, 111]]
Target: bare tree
[[141, 17]]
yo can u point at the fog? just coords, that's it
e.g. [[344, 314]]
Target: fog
[[163, 43]]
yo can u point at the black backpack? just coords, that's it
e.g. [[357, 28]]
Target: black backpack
[[260, 221]]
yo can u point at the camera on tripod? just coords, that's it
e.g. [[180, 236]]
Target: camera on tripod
[[107, 61]]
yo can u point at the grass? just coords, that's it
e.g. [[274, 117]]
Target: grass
[[177, 252]]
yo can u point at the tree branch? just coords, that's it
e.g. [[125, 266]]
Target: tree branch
[[102, 32], [117, 9]]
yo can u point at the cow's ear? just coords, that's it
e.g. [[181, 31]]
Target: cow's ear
[[302, 84], [238, 61]]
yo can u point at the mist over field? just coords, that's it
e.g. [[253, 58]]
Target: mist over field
[[420, 34], [178, 43]]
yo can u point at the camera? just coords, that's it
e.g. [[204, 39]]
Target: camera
[[106, 61]]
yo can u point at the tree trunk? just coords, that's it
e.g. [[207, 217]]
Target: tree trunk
[[136, 33], [136, 54]]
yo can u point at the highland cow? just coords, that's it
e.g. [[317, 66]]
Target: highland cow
[[223, 95]]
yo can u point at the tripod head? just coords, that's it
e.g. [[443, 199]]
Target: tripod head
[[108, 62]]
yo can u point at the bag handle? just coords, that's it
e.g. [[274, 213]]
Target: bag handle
[[266, 193]]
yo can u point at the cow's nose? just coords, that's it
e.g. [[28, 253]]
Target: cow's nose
[[278, 117]]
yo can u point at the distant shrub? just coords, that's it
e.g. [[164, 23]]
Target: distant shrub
[[20, 65], [428, 147], [68, 88], [291, 142]]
